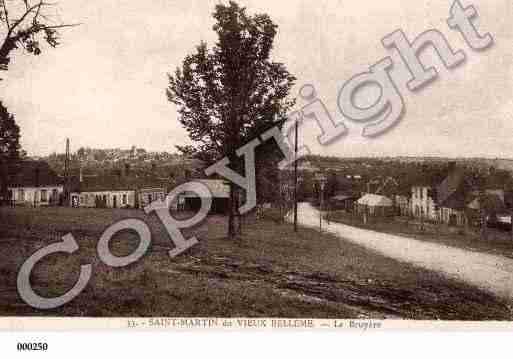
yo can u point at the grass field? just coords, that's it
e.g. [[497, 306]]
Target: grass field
[[497, 242], [269, 272]]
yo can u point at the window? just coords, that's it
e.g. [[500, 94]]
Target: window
[[124, 199], [44, 195], [21, 194]]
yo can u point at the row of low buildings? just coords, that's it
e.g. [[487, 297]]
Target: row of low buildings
[[451, 197], [36, 185], [448, 196]]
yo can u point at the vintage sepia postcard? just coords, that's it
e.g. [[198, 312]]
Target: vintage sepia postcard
[[256, 165]]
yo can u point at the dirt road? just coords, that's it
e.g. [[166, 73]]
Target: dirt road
[[488, 272]]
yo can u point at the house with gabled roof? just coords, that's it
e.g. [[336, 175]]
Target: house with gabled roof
[[117, 191], [104, 192], [343, 201], [452, 196], [423, 195], [35, 185]]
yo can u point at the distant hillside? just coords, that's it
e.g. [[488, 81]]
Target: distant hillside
[[370, 164], [135, 161], [139, 162]]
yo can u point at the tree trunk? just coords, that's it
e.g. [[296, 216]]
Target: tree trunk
[[4, 177], [239, 216], [231, 212], [483, 227], [483, 214]]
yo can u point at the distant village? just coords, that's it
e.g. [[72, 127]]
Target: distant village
[[108, 178], [457, 193]]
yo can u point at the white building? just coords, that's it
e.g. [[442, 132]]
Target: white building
[[36, 196], [104, 199], [422, 204], [148, 195], [113, 191], [375, 205], [35, 184]]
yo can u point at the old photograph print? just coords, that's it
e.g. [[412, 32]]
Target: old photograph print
[[256, 163]]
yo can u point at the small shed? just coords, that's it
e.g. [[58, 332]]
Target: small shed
[[220, 191], [375, 205], [343, 202], [493, 205]]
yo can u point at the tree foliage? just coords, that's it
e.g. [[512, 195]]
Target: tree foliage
[[9, 148], [230, 93], [9, 136], [27, 24]]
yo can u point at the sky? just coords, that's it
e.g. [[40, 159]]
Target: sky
[[104, 86]]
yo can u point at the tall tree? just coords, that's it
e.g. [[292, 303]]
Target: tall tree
[[27, 24], [9, 147], [231, 93]]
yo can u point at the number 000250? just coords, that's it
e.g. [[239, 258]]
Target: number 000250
[[32, 346]]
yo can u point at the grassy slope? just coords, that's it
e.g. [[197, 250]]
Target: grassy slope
[[269, 272], [498, 242]]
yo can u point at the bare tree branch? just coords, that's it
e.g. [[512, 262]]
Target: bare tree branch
[[6, 14], [24, 16], [29, 30]]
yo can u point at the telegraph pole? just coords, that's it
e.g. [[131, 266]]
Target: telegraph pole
[[295, 178], [320, 208], [66, 174], [321, 181]]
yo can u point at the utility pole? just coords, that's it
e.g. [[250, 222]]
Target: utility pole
[[479, 184], [321, 181], [295, 178], [66, 158], [66, 173], [320, 209], [482, 209], [483, 215], [508, 206]]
